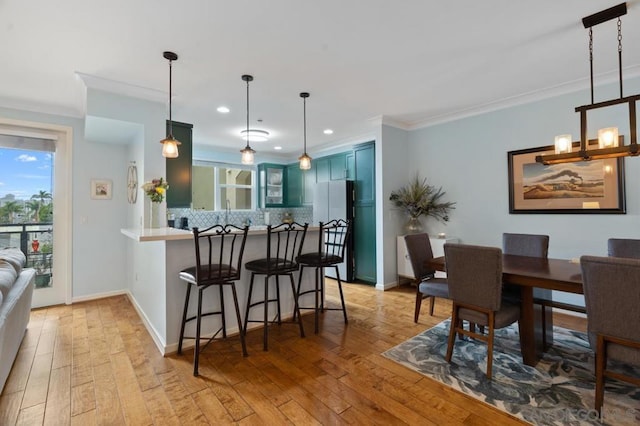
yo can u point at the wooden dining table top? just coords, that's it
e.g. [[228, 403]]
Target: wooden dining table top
[[553, 274]]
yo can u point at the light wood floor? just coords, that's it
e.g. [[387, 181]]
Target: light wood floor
[[94, 363]]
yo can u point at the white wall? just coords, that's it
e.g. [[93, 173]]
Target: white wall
[[468, 158]]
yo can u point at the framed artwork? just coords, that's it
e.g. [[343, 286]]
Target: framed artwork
[[587, 187], [101, 189]]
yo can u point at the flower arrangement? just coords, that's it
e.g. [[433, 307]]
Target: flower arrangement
[[421, 199], [156, 189]]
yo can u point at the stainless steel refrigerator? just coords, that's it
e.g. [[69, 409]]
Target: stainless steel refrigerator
[[334, 200]]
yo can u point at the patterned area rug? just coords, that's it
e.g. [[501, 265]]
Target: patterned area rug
[[558, 391]]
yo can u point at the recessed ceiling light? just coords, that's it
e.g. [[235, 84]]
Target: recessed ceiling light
[[328, 132], [277, 148], [223, 109]]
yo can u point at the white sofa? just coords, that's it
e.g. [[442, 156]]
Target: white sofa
[[16, 291]]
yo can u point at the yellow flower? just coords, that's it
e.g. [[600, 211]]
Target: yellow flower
[[160, 190]]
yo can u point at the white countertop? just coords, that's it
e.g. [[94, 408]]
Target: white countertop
[[172, 234]]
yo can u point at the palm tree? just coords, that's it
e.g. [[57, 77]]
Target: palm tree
[[41, 196], [11, 208], [46, 213], [33, 207]]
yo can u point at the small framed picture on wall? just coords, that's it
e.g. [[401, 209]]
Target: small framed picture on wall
[[101, 189]]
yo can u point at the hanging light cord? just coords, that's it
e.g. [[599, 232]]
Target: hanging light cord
[[247, 113], [304, 108], [170, 120], [620, 53], [591, 60]]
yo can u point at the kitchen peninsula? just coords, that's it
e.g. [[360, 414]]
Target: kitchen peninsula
[[155, 258]]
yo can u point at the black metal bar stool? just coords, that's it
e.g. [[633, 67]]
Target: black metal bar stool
[[219, 251], [333, 239], [284, 244]]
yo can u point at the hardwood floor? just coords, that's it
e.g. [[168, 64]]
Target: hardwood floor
[[95, 363]]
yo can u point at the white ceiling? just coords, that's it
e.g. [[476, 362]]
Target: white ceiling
[[411, 62]]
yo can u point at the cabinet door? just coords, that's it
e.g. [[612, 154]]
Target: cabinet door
[[308, 187], [272, 185], [365, 213], [322, 170], [338, 167], [179, 169], [294, 186]]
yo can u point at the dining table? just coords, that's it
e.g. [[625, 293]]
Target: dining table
[[529, 273]]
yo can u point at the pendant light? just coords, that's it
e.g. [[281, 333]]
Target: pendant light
[[305, 160], [609, 142], [247, 152], [170, 144]]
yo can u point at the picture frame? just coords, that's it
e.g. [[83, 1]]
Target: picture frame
[[101, 189], [581, 187]]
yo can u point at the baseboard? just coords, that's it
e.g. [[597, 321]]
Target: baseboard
[[98, 296], [387, 286], [157, 339]]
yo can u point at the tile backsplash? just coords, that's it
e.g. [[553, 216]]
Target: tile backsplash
[[206, 218]]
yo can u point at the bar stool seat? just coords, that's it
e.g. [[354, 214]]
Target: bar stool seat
[[284, 243], [224, 244], [333, 239]]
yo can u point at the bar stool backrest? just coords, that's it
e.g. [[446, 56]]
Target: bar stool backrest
[[219, 251], [284, 244], [333, 238]]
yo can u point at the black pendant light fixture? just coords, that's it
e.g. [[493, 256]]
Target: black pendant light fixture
[[247, 152], [610, 145], [305, 160], [170, 144]]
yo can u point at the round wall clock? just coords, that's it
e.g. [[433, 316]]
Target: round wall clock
[[132, 184]]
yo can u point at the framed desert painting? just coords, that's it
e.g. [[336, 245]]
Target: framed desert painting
[[581, 187]]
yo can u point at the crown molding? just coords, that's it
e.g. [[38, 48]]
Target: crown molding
[[120, 88]]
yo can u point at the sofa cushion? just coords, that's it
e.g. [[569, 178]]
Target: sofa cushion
[[14, 256], [8, 276]]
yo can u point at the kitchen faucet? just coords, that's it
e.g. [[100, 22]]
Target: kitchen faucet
[[226, 212]]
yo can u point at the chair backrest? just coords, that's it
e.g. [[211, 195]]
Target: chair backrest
[[533, 245], [337, 234], [474, 274], [219, 251], [419, 251], [284, 244], [612, 295], [624, 247]]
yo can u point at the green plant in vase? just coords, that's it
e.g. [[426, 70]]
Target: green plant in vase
[[418, 198]]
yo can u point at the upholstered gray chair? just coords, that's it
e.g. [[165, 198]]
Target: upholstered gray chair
[[419, 251], [624, 247], [474, 274], [612, 295]]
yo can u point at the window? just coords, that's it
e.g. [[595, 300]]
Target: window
[[217, 184]]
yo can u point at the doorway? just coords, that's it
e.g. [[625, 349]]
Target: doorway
[[38, 241]]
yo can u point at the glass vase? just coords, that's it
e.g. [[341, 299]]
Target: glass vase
[[413, 225], [154, 216]]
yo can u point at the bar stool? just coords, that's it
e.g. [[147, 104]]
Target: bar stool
[[284, 244], [219, 251], [332, 242]]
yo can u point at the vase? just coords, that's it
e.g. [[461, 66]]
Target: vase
[[35, 245], [413, 225], [154, 216]]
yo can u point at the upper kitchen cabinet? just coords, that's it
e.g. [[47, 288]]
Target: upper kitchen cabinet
[[332, 167], [272, 185], [179, 169], [300, 185]]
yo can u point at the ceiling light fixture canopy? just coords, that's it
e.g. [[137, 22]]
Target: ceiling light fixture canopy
[[170, 144], [255, 135], [609, 143], [305, 160], [247, 152]]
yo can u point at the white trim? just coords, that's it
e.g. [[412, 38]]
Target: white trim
[[157, 338], [97, 296], [118, 87]]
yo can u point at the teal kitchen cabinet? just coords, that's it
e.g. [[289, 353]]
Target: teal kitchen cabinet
[[179, 169], [295, 186], [338, 167], [272, 181], [365, 213]]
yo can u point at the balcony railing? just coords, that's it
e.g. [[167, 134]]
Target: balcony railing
[[35, 240]]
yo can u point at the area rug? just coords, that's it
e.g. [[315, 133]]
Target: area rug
[[558, 391]]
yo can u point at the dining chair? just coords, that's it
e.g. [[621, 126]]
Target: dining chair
[[284, 244], [624, 247], [532, 245], [218, 250], [612, 295], [474, 274], [333, 238], [427, 286]]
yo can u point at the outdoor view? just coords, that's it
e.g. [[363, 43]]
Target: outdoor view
[[26, 208]]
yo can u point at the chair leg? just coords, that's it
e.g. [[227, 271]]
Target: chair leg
[[344, 307], [295, 306], [431, 303], [299, 287], [418, 304], [241, 331], [246, 314], [184, 318], [196, 347], [224, 321], [265, 336], [491, 325], [316, 295], [601, 362], [278, 299], [452, 332], [321, 289]]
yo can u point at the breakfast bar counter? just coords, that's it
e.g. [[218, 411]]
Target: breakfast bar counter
[[156, 256]]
